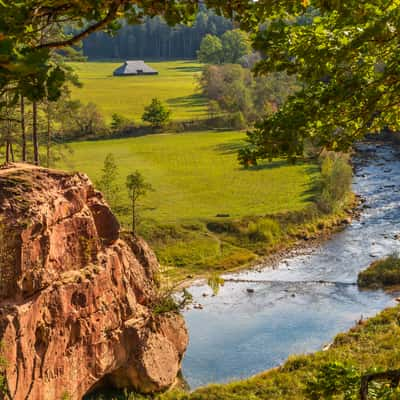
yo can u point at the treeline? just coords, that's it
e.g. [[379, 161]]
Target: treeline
[[238, 99], [155, 39]]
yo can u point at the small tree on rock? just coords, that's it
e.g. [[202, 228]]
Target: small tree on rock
[[156, 114], [137, 188]]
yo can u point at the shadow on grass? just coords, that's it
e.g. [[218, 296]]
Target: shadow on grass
[[187, 69], [231, 147], [194, 100]]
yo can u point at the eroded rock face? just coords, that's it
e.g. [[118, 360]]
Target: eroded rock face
[[75, 298]]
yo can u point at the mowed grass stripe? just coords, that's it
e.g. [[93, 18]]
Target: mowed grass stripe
[[175, 85], [197, 176]]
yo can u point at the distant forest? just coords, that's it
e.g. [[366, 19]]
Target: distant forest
[[154, 39]]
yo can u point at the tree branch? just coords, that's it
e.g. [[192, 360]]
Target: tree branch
[[112, 13]]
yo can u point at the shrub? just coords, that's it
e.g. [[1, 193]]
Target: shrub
[[333, 379], [336, 177], [265, 230], [121, 125], [385, 272], [238, 121]]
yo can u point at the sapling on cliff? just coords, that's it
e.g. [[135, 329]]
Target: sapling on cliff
[[137, 188]]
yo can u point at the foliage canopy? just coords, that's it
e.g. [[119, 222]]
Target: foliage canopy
[[156, 114], [347, 56]]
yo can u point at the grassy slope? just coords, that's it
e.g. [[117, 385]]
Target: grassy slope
[[175, 84], [196, 176]]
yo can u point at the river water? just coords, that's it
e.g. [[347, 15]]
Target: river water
[[238, 334]]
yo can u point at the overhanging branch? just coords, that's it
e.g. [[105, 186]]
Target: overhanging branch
[[111, 15]]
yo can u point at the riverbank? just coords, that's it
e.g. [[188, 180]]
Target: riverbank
[[302, 232], [307, 298], [371, 345], [334, 372]]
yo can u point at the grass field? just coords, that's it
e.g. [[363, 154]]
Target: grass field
[[197, 179], [196, 176], [175, 85]]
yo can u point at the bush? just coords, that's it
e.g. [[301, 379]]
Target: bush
[[333, 379], [336, 178], [385, 272], [121, 125], [264, 230], [238, 121]]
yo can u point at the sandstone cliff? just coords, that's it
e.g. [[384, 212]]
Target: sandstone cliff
[[76, 299]]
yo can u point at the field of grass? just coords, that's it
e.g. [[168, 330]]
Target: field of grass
[[175, 85], [196, 179], [196, 176]]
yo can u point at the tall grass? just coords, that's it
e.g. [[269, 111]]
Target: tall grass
[[335, 181]]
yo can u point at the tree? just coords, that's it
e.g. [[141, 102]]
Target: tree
[[345, 53], [120, 124], [155, 39], [88, 120], [232, 89], [107, 183], [156, 114], [9, 126], [210, 50], [346, 56], [235, 46], [137, 188]]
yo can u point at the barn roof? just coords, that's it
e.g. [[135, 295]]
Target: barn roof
[[137, 67]]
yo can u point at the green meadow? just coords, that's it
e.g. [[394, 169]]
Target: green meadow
[[197, 176], [175, 85], [206, 212]]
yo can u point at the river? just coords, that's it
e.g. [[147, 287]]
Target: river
[[240, 333]]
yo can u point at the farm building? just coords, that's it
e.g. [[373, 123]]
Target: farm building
[[134, 68]]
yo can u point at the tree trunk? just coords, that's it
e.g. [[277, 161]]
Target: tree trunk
[[35, 134], [12, 153], [7, 151], [23, 129], [134, 218], [48, 144]]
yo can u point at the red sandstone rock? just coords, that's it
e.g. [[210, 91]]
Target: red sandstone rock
[[75, 307]]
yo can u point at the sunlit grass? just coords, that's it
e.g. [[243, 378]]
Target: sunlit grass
[[175, 85], [197, 176]]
